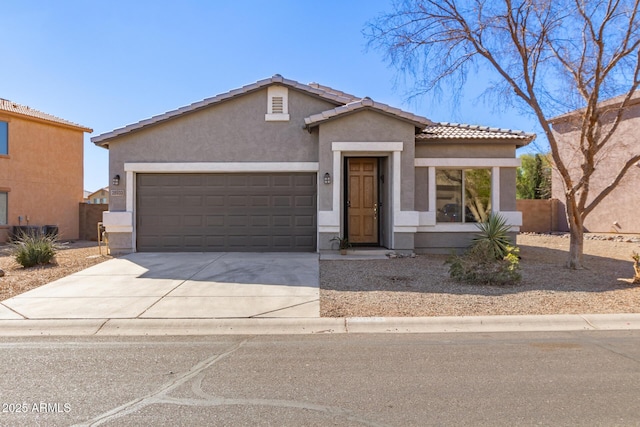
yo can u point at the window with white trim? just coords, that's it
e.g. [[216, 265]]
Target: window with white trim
[[277, 104], [4, 208], [463, 195]]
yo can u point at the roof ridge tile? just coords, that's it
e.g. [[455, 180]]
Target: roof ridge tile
[[24, 110]]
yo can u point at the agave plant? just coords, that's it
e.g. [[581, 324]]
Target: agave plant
[[495, 234]]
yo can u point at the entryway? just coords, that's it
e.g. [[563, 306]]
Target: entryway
[[363, 201]]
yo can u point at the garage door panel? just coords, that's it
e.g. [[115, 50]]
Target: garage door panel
[[304, 201], [223, 212], [193, 220]]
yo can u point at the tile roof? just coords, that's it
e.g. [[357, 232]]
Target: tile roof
[[445, 131], [334, 91], [14, 108], [365, 103], [323, 92]]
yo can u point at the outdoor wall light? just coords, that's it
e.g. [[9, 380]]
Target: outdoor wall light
[[327, 178], [116, 180]]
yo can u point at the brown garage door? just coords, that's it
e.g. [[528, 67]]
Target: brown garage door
[[226, 212]]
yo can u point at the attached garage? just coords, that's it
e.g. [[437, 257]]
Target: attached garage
[[210, 212]]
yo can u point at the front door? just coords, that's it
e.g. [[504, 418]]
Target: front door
[[362, 200]]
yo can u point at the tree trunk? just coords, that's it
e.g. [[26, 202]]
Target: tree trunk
[[636, 268], [576, 234]]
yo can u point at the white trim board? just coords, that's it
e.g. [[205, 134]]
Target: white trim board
[[453, 162], [370, 147], [213, 167]]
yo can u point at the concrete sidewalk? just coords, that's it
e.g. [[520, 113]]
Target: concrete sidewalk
[[274, 326]]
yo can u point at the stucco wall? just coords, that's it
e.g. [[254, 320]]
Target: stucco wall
[[468, 150], [43, 175], [231, 131], [90, 216], [618, 212], [369, 126], [538, 216], [446, 242]]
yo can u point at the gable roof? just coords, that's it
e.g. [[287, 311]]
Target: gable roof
[[365, 104], [335, 96], [101, 190], [444, 131], [23, 110]]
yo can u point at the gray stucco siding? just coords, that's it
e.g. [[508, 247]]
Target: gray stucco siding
[[422, 189], [464, 150], [368, 126], [232, 131], [508, 189], [446, 242]]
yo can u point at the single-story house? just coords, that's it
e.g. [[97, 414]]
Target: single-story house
[[618, 211], [282, 166]]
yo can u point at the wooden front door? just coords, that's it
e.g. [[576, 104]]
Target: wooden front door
[[362, 200]]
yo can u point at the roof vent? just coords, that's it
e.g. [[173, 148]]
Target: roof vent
[[277, 104]]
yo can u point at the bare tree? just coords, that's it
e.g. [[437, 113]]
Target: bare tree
[[547, 56]]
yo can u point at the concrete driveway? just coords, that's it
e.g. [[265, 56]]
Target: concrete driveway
[[179, 286]]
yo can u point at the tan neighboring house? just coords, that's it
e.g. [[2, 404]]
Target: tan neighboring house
[[278, 165], [98, 197], [41, 170], [618, 212]]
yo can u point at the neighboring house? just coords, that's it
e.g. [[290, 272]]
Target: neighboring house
[[99, 197], [85, 197], [282, 166], [618, 212], [41, 170]]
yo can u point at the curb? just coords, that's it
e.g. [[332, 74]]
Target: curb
[[292, 326]]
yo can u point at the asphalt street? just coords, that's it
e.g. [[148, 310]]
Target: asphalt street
[[498, 379]]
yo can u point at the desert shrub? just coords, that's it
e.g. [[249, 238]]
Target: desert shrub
[[491, 260], [495, 234], [479, 266], [34, 249]]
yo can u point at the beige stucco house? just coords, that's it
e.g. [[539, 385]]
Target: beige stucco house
[[282, 166], [41, 170], [618, 212], [100, 196]]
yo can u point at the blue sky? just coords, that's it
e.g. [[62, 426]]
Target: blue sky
[[106, 64]]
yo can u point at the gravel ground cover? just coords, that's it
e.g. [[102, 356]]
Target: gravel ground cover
[[74, 257], [421, 286]]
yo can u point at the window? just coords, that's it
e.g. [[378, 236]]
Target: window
[[4, 212], [458, 188], [4, 138]]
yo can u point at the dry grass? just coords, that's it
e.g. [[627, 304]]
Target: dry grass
[[75, 257], [421, 286]]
